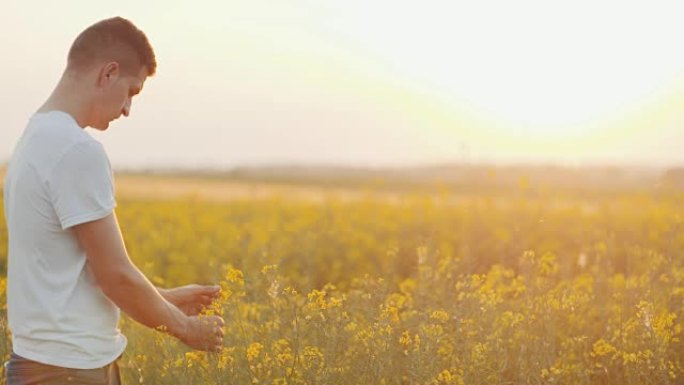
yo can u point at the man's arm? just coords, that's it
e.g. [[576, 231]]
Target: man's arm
[[133, 293]]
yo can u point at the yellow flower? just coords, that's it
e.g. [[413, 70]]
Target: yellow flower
[[253, 351], [273, 289], [446, 377], [439, 315], [407, 286], [195, 358], [391, 313], [405, 339], [235, 276], [313, 358], [602, 348], [317, 299], [351, 326], [226, 357], [268, 268]]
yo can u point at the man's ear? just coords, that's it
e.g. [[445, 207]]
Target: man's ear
[[108, 74]]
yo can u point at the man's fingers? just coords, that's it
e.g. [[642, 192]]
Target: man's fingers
[[196, 309], [218, 321], [209, 290], [216, 344]]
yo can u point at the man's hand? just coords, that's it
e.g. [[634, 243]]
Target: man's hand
[[191, 299], [204, 333]]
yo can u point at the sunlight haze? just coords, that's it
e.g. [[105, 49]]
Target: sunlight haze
[[373, 83]]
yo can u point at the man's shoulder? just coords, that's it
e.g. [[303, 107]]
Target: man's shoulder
[[57, 126], [54, 140], [62, 131]]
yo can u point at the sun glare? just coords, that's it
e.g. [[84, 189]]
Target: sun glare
[[414, 80], [531, 68]]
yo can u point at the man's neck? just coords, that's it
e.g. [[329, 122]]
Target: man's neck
[[67, 97]]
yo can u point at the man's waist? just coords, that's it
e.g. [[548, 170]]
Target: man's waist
[[82, 353], [21, 370]]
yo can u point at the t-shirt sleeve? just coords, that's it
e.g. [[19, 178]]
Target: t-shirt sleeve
[[81, 185]]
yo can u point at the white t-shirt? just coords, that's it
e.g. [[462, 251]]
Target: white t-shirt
[[59, 176]]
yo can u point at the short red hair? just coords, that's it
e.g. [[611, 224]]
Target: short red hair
[[115, 39]]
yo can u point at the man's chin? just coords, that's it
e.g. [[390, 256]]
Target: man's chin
[[101, 126]]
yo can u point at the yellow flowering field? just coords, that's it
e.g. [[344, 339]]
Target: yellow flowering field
[[519, 288]]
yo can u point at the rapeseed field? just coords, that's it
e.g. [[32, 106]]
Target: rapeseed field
[[521, 288]]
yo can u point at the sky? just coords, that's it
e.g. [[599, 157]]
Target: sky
[[372, 83]]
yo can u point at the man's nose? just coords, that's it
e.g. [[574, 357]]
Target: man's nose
[[126, 109]]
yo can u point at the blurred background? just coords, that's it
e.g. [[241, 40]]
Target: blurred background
[[373, 84]]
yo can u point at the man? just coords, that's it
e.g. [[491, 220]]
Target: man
[[68, 270]]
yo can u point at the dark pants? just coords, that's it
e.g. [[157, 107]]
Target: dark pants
[[22, 371]]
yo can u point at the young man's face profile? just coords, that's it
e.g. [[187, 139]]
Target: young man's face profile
[[117, 94]]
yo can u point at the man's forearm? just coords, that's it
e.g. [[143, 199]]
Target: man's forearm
[[133, 293], [128, 288], [163, 292], [121, 281]]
